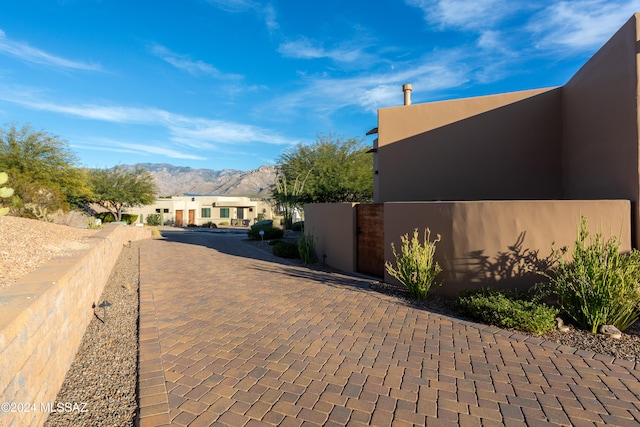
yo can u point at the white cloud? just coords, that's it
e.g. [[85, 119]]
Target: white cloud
[[307, 49], [183, 62], [26, 53], [269, 14], [580, 24], [464, 14], [324, 96], [195, 132], [115, 146], [266, 12]]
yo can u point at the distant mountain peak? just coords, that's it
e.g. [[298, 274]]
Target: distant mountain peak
[[177, 180]]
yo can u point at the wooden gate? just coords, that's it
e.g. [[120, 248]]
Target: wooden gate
[[179, 218], [370, 239], [192, 216]]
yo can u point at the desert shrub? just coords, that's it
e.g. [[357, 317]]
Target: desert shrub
[[130, 218], [154, 219], [297, 226], [269, 233], [306, 248], [105, 217], [224, 223], [209, 224], [192, 225], [416, 268], [93, 224], [599, 285], [285, 249], [264, 223], [508, 309]]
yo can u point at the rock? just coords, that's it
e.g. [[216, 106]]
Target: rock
[[611, 331], [561, 326]]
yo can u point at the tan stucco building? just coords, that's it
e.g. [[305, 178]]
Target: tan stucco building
[[501, 177], [182, 211]]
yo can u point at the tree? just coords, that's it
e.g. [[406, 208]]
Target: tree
[[332, 169], [118, 188], [42, 171]]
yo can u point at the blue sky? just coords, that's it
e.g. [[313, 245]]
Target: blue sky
[[223, 84]]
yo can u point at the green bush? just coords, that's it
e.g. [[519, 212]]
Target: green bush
[[598, 286], [306, 248], [297, 226], [154, 219], [224, 223], [508, 309], [416, 268], [269, 233], [285, 249], [105, 217], [129, 218]]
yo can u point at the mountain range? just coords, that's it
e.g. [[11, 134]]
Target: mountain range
[[179, 180]]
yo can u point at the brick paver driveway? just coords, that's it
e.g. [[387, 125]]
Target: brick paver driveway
[[230, 335]]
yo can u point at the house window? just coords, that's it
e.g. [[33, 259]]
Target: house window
[[165, 210], [224, 212], [157, 210], [206, 213]]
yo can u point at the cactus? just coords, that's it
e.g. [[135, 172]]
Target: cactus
[[5, 192]]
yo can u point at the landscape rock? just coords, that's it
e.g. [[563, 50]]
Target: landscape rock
[[611, 331]]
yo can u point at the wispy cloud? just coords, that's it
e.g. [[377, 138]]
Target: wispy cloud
[[194, 132], [116, 146], [580, 24], [270, 18], [32, 55], [305, 48], [464, 14], [265, 11], [323, 96], [183, 62]]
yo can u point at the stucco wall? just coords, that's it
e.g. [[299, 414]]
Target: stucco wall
[[504, 146], [484, 242], [600, 113], [334, 227], [43, 318]]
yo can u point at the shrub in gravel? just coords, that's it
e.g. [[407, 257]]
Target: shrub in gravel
[[599, 285], [306, 248], [269, 233], [285, 249], [508, 309], [154, 219], [415, 267]]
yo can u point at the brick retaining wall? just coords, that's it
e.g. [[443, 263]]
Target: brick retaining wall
[[43, 318]]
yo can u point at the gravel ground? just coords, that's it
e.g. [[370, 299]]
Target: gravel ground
[[104, 372], [26, 244]]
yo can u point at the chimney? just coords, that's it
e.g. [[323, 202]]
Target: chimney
[[406, 88]]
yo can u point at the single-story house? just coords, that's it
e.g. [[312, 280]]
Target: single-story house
[[200, 210]]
